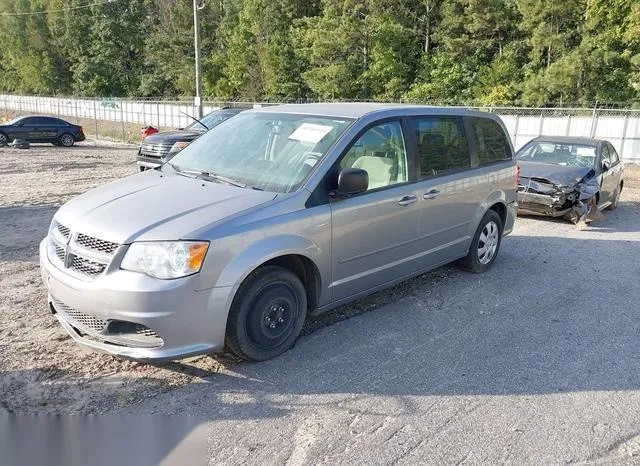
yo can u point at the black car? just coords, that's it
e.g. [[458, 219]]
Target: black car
[[159, 148], [568, 177], [41, 129]]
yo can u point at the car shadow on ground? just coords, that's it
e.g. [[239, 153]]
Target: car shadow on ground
[[540, 322]]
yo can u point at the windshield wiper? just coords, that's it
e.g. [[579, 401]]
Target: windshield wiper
[[196, 120], [209, 176]]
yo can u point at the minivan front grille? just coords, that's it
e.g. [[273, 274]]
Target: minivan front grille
[[96, 244], [81, 255], [86, 266]]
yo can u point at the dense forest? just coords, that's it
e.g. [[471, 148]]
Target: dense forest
[[490, 52]]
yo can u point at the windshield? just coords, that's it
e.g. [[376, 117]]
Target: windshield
[[270, 151], [210, 120], [570, 155]]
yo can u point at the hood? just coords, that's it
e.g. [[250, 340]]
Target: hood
[[172, 136], [557, 174], [155, 206]]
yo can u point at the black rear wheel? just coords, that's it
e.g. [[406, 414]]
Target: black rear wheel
[[4, 140], [67, 140], [267, 314]]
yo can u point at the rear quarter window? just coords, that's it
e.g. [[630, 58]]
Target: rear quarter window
[[491, 141]]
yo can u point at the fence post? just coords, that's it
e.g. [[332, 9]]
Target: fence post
[[592, 131], [158, 113], [76, 105], [541, 125], [95, 117], [122, 122], [624, 135], [567, 130], [515, 129]]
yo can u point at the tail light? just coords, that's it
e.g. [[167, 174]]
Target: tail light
[[517, 175]]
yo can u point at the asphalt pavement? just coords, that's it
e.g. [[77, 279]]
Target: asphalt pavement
[[536, 361]]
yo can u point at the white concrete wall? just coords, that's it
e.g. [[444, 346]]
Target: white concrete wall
[[620, 127]]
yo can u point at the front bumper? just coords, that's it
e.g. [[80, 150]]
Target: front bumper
[[188, 322]]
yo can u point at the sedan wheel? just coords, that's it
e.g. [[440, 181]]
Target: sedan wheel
[[66, 140], [3, 140], [616, 199]]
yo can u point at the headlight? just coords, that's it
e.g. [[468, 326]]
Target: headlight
[[166, 259], [178, 146]]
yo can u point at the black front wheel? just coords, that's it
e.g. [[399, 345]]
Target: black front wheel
[[267, 314]]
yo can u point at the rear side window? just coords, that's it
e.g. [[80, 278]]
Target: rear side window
[[491, 142], [441, 145]]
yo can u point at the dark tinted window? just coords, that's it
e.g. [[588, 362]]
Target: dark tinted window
[[41, 121], [441, 145], [491, 142]]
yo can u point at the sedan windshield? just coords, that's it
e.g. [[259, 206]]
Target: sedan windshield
[[557, 153], [269, 151]]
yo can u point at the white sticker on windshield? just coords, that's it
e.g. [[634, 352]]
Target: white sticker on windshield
[[308, 132]]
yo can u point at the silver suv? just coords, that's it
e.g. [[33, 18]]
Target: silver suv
[[274, 214]]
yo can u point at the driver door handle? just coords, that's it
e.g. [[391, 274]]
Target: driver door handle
[[431, 194], [407, 200]]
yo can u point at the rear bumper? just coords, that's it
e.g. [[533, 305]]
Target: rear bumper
[[188, 322], [80, 137]]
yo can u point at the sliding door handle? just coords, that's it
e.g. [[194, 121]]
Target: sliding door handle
[[431, 194], [407, 200]]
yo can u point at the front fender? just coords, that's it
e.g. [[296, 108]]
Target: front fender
[[246, 261]]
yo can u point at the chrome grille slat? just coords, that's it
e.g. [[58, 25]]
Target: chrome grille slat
[[87, 266], [96, 244], [64, 231], [60, 253], [82, 255]]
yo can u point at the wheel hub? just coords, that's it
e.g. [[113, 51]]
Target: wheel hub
[[275, 317]]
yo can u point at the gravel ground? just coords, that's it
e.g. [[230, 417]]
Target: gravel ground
[[41, 369]]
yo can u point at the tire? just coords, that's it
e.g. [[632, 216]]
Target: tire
[[66, 140], [267, 314], [4, 140], [479, 259], [616, 198]]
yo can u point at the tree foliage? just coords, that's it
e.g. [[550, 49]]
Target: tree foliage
[[492, 52]]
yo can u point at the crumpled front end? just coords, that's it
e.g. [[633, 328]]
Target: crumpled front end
[[539, 196]]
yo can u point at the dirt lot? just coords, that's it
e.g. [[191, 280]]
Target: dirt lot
[[41, 369]]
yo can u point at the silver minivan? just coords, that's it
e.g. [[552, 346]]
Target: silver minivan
[[277, 213]]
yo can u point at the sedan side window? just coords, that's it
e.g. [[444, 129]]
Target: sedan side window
[[382, 153], [442, 145], [606, 157], [613, 155]]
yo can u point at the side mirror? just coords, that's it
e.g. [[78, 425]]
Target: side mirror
[[352, 181], [605, 166]]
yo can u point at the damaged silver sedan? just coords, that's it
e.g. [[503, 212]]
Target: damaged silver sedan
[[568, 177]]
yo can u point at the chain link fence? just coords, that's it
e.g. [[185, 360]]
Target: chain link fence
[[122, 119]]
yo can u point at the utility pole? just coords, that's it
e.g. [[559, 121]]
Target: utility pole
[[196, 33]]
